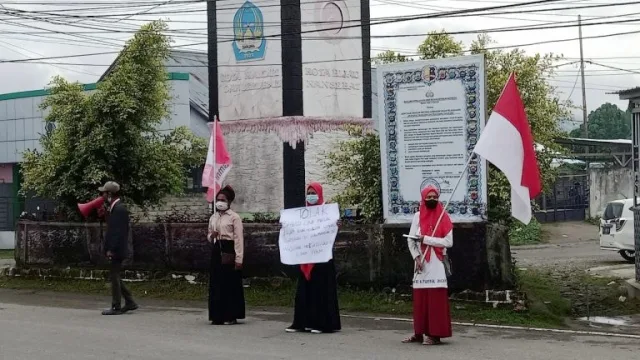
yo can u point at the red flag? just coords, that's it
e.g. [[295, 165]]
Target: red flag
[[216, 171], [508, 144]]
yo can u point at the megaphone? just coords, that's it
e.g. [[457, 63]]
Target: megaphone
[[87, 208]]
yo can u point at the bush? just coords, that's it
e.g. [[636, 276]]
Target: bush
[[521, 234]]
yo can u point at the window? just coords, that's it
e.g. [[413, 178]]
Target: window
[[613, 211]]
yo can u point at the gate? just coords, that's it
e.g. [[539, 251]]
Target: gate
[[6, 207], [568, 201]]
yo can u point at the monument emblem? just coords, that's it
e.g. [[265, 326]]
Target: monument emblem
[[249, 43], [332, 20]]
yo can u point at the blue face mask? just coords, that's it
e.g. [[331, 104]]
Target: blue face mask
[[312, 199]]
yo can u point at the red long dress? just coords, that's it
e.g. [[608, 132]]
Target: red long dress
[[431, 311]]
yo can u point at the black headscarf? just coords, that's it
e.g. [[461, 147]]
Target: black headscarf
[[228, 192]]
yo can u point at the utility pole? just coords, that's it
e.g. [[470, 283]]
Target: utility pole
[[584, 91], [212, 57], [585, 121]]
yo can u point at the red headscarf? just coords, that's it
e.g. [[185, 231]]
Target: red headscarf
[[428, 220], [306, 268]]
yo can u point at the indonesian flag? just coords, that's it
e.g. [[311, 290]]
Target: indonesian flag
[[507, 143], [216, 171]]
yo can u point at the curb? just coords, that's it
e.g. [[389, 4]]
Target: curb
[[508, 327]]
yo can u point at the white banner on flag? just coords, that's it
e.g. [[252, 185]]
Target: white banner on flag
[[308, 234]]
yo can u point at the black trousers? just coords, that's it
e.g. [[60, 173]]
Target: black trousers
[[118, 289]]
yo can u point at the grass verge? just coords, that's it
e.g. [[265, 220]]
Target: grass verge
[[6, 254], [280, 294], [558, 296], [530, 234]]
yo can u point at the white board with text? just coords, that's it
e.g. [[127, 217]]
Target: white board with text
[[431, 114], [308, 234]]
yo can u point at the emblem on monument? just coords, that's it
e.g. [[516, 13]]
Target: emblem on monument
[[332, 20], [249, 43]]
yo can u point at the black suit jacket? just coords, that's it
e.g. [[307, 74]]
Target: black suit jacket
[[117, 232]]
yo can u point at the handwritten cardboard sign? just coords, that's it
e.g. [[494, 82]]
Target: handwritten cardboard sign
[[308, 234]]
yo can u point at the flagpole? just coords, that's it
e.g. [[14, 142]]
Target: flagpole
[[464, 171], [213, 203]]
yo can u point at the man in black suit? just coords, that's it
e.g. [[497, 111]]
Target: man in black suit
[[116, 247]]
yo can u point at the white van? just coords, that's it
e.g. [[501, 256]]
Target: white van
[[616, 229]]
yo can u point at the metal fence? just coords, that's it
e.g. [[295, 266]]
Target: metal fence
[[568, 200]]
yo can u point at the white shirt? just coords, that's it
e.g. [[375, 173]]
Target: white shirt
[[433, 274]]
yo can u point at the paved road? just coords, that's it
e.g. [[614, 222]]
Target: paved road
[[36, 326], [573, 246]]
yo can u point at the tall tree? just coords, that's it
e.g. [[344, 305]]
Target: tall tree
[[543, 106], [111, 134], [606, 122], [439, 44], [390, 56]]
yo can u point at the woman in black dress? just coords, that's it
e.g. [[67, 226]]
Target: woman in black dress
[[316, 307], [226, 294]]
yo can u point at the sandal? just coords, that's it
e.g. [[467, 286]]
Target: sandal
[[412, 339], [431, 341]]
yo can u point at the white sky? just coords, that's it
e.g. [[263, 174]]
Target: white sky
[[18, 40]]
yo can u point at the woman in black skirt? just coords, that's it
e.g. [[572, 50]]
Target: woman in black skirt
[[316, 307], [226, 294]]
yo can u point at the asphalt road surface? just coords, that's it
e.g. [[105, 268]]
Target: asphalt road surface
[[36, 326], [572, 246]]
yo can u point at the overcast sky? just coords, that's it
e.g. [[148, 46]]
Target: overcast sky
[[33, 31]]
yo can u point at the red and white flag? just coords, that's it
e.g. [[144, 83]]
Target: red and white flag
[[216, 171], [507, 143]]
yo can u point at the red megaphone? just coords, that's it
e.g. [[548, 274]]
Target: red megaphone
[[87, 208]]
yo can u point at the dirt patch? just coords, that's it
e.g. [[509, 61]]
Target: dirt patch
[[570, 232]]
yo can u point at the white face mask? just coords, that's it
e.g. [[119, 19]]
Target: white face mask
[[222, 206]]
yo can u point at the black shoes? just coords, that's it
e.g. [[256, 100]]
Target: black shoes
[[129, 307], [117, 310], [113, 311]]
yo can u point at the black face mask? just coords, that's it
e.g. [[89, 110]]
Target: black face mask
[[431, 204]]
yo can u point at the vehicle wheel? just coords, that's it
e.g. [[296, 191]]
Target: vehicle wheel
[[630, 256]]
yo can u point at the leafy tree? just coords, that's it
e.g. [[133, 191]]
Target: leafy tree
[[543, 107], [111, 133], [355, 163], [390, 56], [439, 44], [606, 122]]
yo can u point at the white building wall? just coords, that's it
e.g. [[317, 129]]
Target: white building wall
[[608, 184], [256, 175], [22, 122]]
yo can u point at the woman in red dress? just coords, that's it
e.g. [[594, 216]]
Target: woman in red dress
[[431, 314]]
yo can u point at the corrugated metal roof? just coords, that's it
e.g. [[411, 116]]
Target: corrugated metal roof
[[194, 63], [590, 142], [625, 94]]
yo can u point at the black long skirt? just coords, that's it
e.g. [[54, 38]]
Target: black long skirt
[[226, 293], [316, 306]]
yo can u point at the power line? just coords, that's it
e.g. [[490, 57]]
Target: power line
[[463, 12], [634, 71], [360, 25]]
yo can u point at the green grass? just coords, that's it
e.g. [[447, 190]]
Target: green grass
[[530, 234], [6, 254], [545, 298], [556, 297], [281, 294], [551, 298]]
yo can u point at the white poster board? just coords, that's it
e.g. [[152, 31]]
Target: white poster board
[[308, 234], [430, 116]]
